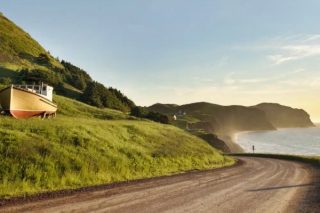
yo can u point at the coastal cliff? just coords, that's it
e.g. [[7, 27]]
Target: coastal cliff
[[285, 117]]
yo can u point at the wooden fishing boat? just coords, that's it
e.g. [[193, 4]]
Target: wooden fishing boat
[[26, 101]]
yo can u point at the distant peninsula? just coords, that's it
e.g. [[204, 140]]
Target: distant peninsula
[[222, 122]]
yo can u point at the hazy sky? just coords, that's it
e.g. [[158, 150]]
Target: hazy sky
[[182, 51]]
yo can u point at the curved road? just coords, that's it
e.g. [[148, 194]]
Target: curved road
[[256, 185]]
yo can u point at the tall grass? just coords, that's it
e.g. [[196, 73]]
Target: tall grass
[[87, 146]]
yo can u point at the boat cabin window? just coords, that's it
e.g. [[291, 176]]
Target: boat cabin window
[[43, 90]]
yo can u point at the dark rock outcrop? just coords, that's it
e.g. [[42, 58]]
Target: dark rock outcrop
[[214, 141]]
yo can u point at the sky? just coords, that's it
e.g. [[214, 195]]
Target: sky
[[229, 52]]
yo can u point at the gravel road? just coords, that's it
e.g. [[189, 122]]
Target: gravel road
[[256, 185]]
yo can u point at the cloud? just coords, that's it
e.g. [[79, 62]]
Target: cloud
[[279, 59], [312, 37], [295, 52], [298, 71], [252, 80], [290, 82], [230, 79], [284, 49], [293, 48]]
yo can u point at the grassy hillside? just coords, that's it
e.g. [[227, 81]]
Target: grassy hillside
[[24, 60], [80, 148], [18, 49]]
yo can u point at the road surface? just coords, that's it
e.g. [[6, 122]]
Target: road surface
[[256, 185]]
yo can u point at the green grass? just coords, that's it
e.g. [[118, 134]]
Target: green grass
[[19, 49], [75, 109], [87, 146], [314, 160], [188, 118]]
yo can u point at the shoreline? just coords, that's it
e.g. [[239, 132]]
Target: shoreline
[[234, 136], [230, 140]]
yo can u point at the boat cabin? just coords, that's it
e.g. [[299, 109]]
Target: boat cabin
[[44, 90]]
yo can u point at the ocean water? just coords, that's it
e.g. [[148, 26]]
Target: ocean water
[[297, 141]]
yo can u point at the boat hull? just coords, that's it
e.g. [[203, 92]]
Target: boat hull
[[21, 103]]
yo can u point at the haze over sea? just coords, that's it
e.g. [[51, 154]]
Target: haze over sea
[[297, 141]]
